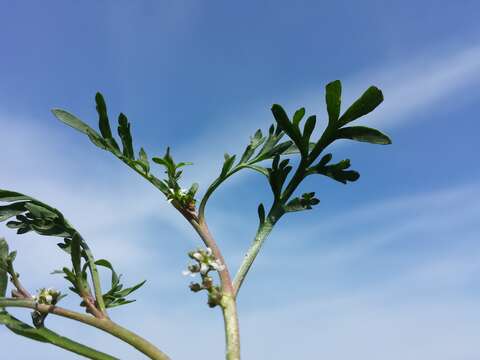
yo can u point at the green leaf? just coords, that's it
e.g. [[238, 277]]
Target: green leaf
[[284, 123], [76, 123], [255, 142], [193, 190], [293, 149], [76, 254], [304, 203], [280, 149], [364, 134], [335, 171], [73, 121], [103, 122], [9, 196], [130, 290], [143, 160], [14, 209], [3, 266], [325, 159], [298, 116], [333, 95], [307, 131], [126, 136], [108, 265], [39, 211], [258, 168], [20, 328], [227, 165], [261, 214], [366, 103]]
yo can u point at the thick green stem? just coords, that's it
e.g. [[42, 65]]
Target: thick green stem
[[104, 324], [45, 335], [262, 233], [232, 332]]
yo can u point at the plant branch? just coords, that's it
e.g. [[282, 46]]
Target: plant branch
[[97, 287], [46, 335], [263, 231], [106, 325], [217, 182], [16, 282]]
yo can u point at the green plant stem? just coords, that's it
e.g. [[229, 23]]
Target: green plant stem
[[232, 332], [262, 233], [104, 324], [212, 188], [16, 282], [228, 302], [97, 287], [46, 335]]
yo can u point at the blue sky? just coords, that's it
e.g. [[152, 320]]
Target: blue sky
[[387, 267]]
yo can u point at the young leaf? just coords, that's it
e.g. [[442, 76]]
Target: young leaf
[[307, 132], [75, 251], [366, 103], [126, 136], [284, 123], [73, 121], [130, 290], [108, 265], [333, 95], [261, 214], [304, 203], [143, 160], [103, 122], [298, 116], [364, 134], [227, 165]]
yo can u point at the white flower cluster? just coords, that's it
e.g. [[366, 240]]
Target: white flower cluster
[[206, 262], [180, 193], [47, 296]]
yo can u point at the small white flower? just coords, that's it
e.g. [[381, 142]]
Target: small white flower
[[217, 265], [188, 273], [209, 251], [197, 256], [48, 298], [204, 268]]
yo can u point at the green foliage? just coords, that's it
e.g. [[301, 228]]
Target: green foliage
[[3, 267], [305, 202], [333, 98], [366, 103], [106, 141], [169, 187], [32, 215], [364, 134], [116, 296], [336, 171], [299, 142], [186, 198]]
